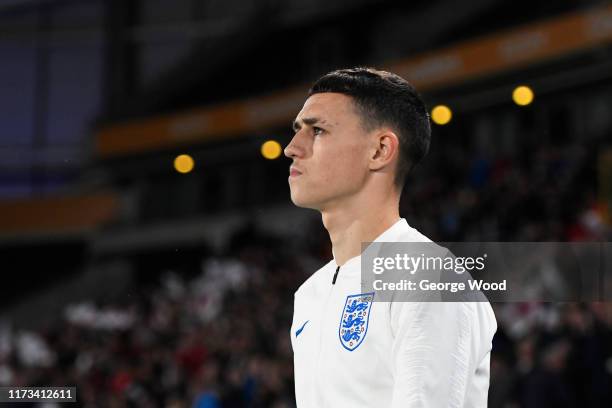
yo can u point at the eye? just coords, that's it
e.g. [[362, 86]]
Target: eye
[[316, 130]]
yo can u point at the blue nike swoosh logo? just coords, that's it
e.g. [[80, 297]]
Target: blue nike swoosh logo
[[297, 333]]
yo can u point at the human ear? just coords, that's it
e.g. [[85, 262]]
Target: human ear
[[385, 147]]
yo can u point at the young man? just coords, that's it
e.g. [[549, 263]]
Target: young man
[[357, 136]]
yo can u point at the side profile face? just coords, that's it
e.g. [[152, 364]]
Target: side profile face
[[330, 150]]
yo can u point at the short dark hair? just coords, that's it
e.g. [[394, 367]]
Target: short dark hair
[[384, 98]]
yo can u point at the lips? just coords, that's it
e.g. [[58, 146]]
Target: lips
[[294, 171]]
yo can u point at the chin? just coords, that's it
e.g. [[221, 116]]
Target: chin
[[303, 202]]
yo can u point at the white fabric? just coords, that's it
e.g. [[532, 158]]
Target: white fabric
[[414, 354]]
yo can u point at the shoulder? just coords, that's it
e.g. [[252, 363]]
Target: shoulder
[[411, 234], [422, 243], [313, 280]]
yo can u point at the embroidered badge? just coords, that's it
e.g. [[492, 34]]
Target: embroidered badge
[[354, 320]]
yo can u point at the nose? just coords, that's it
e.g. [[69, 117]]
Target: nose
[[293, 150]]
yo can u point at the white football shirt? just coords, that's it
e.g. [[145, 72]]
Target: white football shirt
[[406, 354]]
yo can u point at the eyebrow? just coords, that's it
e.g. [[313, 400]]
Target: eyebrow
[[309, 121]]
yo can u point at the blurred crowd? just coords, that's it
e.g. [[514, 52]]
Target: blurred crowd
[[545, 193], [552, 355], [221, 338]]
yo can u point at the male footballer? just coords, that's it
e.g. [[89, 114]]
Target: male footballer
[[357, 136]]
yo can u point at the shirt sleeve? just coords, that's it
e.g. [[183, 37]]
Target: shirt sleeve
[[437, 348]]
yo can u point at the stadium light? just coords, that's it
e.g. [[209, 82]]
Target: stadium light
[[522, 95], [271, 149], [441, 114], [183, 163]]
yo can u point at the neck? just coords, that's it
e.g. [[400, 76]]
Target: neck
[[349, 226]]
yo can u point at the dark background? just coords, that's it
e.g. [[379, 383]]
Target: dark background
[[142, 286]]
